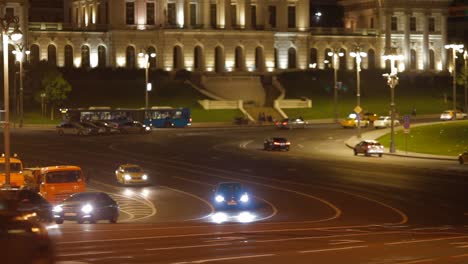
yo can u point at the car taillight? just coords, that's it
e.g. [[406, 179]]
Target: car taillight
[[190, 120], [285, 123], [277, 123], [288, 143], [276, 143], [369, 146]]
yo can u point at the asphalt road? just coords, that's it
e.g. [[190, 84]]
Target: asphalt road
[[316, 203]]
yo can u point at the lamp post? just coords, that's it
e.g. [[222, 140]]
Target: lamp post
[[465, 57], [43, 95], [146, 56], [15, 35], [19, 53], [392, 81], [358, 54], [335, 54], [455, 48]]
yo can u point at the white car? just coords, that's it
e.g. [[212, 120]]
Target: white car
[[385, 121], [449, 115]]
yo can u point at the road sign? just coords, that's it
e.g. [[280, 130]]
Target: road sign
[[406, 122], [357, 109]]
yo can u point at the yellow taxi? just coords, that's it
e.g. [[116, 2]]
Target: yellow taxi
[[131, 174], [353, 122], [16, 172]]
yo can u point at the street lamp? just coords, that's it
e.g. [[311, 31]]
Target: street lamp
[[358, 54], [43, 110], [335, 54], [392, 81], [146, 55], [15, 35], [455, 48], [19, 53]]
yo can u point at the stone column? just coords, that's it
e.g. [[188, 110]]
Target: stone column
[[407, 39], [425, 49], [205, 13], [303, 14], [248, 14], [180, 13], [187, 14], [443, 33], [161, 18]]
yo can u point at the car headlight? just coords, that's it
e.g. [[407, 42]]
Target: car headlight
[[219, 198], [147, 128], [127, 177], [244, 198], [87, 209], [144, 177], [57, 209]]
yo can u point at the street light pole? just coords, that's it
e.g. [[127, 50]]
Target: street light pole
[[358, 54], [455, 48], [146, 57], [15, 35], [465, 57], [392, 81], [334, 54]]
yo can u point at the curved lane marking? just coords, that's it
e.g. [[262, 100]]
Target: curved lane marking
[[275, 210], [196, 197]]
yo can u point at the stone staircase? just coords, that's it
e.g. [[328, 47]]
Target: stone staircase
[[255, 112]]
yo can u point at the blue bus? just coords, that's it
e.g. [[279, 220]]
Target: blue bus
[[160, 117]]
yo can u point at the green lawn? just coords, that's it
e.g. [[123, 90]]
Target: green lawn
[[450, 138]]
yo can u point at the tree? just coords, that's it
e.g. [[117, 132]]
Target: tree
[[55, 88]]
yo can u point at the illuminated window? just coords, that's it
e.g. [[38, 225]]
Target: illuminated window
[[291, 16], [68, 56], [272, 18], [150, 13], [52, 54], [130, 13], [393, 24], [413, 23], [171, 14], [85, 61]]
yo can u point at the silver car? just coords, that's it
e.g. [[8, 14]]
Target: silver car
[[73, 129], [369, 147]]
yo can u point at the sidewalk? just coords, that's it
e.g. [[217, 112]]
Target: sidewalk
[[371, 135]]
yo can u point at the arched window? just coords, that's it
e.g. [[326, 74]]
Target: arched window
[[292, 58], [68, 56], [413, 60], [34, 57], [152, 60], [198, 58], [432, 60], [328, 59], [219, 59], [52, 54], [239, 59], [178, 58], [313, 57], [130, 57], [371, 59], [85, 57], [343, 60], [259, 59], [102, 56]]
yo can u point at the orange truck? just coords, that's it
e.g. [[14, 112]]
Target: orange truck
[[16, 172], [56, 183]]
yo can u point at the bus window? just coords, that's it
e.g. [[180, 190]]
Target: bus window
[[14, 167], [63, 176]]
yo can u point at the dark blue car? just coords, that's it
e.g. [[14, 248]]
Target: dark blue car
[[230, 195]]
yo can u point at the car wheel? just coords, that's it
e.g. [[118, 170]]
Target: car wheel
[[380, 155], [367, 154], [355, 153], [59, 221], [113, 219], [461, 161]]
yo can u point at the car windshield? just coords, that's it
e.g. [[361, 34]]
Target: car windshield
[[279, 139], [63, 176], [14, 167], [133, 169], [229, 189], [84, 196]]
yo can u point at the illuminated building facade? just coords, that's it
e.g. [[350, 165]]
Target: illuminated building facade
[[239, 35]]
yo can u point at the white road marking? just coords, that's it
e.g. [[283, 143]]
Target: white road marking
[[226, 239], [425, 240], [460, 256], [417, 261], [300, 145], [345, 241], [185, 247], [330, 249], [245, 143], [196, 197], [85, 253], [227, 258]]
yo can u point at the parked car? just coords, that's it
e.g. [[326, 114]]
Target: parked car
[[131, 174], [289, 123], [385, 121], [108, 128], [369, 147], [87, 206], [463, 157], [450, 115], [23, 240], [352, 123], [133, 127], [229, 195], [28, 203], [276, 143], [73, 129]]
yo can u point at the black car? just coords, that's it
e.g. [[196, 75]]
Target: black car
[[23, 240], [230, 195], [28, 203], [87, 206], [133, 127], [276, 144]]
